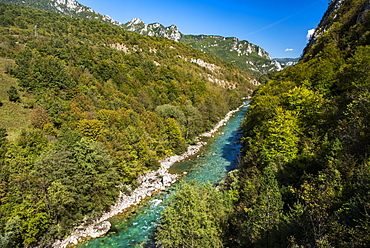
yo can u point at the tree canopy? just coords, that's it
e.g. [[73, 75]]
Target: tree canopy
[[98, 106]]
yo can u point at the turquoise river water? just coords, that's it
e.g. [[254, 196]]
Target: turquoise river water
[[136, 227]]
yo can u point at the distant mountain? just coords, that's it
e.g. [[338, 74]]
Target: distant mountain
[[244, 54], [249, 57], [155, 29], [286, 62], [66, 7]]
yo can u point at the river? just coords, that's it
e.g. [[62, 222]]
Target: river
[[135, 228]]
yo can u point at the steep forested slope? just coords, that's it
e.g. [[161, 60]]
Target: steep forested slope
[[304, 180], [70, 8], [249, 57], [97, 106]]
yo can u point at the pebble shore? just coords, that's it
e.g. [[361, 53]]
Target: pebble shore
[[149, 183]]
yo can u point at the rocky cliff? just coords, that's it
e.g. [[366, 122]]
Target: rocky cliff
[[154, 29], [244, 54]]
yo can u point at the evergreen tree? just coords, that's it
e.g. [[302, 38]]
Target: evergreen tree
[[193, 217], [265, 214], [13, 94]]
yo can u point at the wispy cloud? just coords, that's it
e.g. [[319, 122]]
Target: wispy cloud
[[276, 23], [289, 49], [310, 33]]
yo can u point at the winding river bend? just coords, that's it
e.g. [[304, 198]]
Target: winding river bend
[[135, 228]]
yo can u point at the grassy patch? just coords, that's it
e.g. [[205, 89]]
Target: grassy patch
[[13, 116]]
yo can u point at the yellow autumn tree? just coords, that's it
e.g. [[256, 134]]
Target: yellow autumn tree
[[91, 129]]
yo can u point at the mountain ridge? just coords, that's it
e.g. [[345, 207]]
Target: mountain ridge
[[251, 58], [153, 29], [66, 7], [257, 62]]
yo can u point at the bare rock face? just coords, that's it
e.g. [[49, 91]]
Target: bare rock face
[[154, 29]]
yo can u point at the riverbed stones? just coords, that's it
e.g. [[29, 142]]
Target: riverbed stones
[[149, 183]]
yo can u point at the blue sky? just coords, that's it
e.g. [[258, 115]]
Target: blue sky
[[279, 27]]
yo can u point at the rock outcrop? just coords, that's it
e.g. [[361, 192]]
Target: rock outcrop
[[154, 29]]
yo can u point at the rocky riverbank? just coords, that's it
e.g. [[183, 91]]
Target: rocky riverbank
[[149, 183]]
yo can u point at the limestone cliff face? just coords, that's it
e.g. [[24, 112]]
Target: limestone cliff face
[[230, 43], [154, 29], [246, 55]]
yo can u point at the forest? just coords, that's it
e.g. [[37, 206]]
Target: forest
[[86, 107], [304, 176]]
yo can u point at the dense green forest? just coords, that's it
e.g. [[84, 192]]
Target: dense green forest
[[304, 176], [69, 8], [256, 63], [248, 57], [85, 108]]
